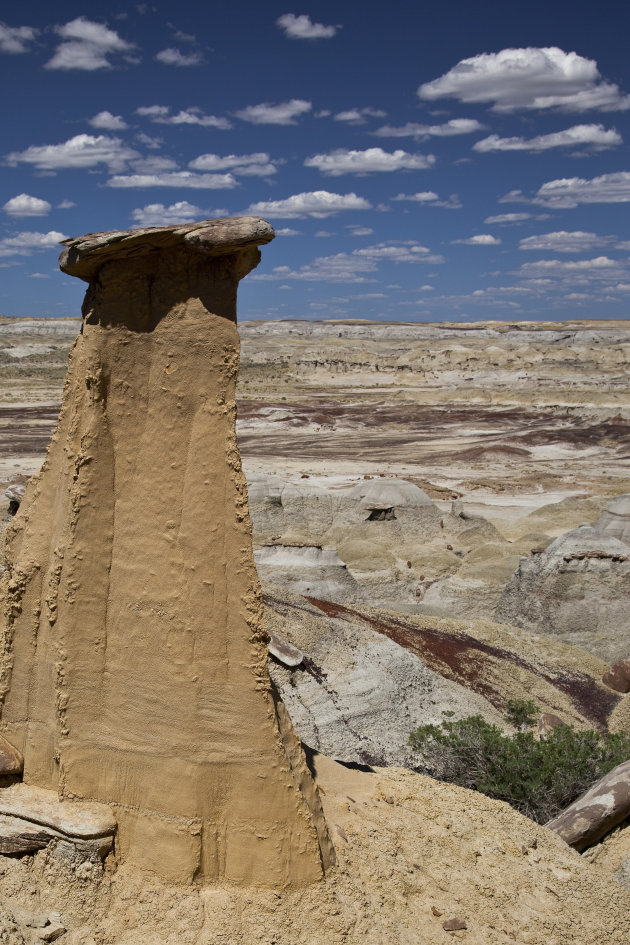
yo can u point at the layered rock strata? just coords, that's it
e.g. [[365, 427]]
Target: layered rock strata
[[133, 668]]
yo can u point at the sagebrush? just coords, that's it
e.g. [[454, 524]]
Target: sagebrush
[[537, 776]]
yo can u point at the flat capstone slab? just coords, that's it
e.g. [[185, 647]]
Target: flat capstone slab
[[85, 255], [83, 820]]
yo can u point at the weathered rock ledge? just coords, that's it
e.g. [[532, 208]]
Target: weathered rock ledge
[[85, 255]]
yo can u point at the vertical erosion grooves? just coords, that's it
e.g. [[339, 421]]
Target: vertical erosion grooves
[[134, 650]]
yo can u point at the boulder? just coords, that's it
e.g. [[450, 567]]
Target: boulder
[[618, 677], [14, 493], [547, 722], [31, 817], [605, 805]]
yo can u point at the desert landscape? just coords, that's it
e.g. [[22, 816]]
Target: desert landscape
[[440, 522], [314, 475]]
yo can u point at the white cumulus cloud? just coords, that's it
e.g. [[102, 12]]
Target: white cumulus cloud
[[184, 179], [86, 45], [15, 39], [25, 206], [245, 165], [108, 122], [317, 204], [352, 267], [301, 27], [481, 239], [509, 218], [577, 272], [530, 78], [430, 199], [156, 214], [161, 115], [343, 267], [174, 57], [399, 252], [358, 116], [595, 137], [570, 192], [372, 160], [564, 242], [456, 126], [284, 113], [79, 152], [23, 244]]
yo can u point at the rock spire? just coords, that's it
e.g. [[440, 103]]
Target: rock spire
[[134, 663]]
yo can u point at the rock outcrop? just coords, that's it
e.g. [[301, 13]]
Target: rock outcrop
[[576, 589], [133, 669], [307, 569], [366, 677], [615, 519]]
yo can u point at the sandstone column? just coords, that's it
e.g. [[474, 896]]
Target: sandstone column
[[133, 667]]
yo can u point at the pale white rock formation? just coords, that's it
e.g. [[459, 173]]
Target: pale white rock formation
[[380, 494], [308, 569], [357, 694], [615, 519], [577, 589]]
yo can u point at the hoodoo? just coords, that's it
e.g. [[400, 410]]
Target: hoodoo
[[134, 656]]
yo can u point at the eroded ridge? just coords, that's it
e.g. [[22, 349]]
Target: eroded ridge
[[134, 656]]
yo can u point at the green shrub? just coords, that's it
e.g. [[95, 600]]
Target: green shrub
[[538, 777], [521, 713]]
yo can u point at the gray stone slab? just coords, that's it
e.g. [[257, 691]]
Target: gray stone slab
[[83, 820]]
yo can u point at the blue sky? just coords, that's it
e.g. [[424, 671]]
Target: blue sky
[[453, 161]]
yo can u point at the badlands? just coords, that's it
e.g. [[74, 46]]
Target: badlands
[[440, 523]]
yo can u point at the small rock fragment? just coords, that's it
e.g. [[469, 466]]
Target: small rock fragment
[[51, 932], [436, 911], [454, 925], [284, 652]]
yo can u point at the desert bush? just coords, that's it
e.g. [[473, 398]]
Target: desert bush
[[521, 713], [538, 777]]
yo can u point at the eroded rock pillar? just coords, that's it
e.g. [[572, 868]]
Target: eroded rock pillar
[[134, 666]]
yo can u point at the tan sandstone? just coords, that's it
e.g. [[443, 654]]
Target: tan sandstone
[[133, 670]]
